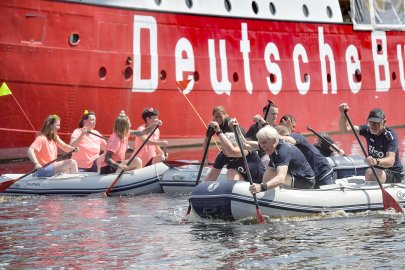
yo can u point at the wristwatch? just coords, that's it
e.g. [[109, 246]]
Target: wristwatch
[[263, 186], [377, 161]]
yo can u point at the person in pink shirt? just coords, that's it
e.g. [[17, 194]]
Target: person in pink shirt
[[117, 145], [151, 153], [89, 144], [45, 149]]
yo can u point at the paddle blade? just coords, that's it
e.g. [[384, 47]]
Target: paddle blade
[[6, 184], [390, 202], [260, 218], [189, 209]]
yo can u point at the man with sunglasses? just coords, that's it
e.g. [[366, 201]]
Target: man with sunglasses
[[382, 145]]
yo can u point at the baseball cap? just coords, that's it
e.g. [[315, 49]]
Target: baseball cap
[[376, 115]]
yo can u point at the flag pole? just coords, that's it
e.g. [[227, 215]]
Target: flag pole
[[4, 90], [181, 86]]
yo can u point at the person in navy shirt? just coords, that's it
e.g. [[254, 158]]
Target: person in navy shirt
[[328, 149], [319, 164], [382, 145], [230, 156], [287, 166], [261, 122]]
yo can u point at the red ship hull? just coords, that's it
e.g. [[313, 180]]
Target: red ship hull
[[129, 59]]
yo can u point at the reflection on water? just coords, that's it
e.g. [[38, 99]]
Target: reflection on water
[[148, 232]]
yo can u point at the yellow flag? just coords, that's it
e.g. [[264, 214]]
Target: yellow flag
[[4, 90]]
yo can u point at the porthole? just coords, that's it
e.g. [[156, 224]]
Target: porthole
[[228, 5], [163, 75], [273, 78], [128, 73], [74, 39], [189, 3], [272, 8], [394, 76], [102, 73], [196, 76], [158, 2], [357, 75], [379, 48], [235, 77], [306, 77], [255, 7], [305, 10], [329, 11]]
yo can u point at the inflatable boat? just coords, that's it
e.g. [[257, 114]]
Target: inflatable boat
[[142, 181], [232, 200]]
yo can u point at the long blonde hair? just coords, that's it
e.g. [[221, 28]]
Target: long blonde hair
[[46, 128], [121, 126]]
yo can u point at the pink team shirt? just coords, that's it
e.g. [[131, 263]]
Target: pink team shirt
[[148, 151], [117, 146], [45, 150], [89, 148]]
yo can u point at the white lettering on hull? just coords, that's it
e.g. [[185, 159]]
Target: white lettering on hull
[[140, 84], [326, 51], [273, 68], [245, 50], [379, 48], [353, 64], [400, 51], [302, 85], [223, 86], [184, 64], [219, 71]]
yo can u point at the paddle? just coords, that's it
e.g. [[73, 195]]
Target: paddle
[[388, 200], [6, 184], [323, 139], [267, 110], [178, 163], [105, 138], [95, 134], [260, 218], [197, 181], [129, 162]]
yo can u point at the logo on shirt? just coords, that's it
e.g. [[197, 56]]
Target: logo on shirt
[[212, 186], [374, 152], [241, 170]]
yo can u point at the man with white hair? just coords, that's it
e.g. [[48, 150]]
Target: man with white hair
[[287, 166]]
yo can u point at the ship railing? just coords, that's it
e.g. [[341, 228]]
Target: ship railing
[[385, 15]]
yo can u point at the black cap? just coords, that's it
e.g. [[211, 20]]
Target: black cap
[[376, 115]]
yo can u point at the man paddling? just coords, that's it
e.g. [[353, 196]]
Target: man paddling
[[287, 166], [382, 145]]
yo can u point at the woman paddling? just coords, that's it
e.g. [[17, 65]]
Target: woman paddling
[[117, 145], [45, 149], [230, 156], [89, 144]]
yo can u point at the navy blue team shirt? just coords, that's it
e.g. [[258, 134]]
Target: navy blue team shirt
[[289, 155], [379, 145], [316, 160]]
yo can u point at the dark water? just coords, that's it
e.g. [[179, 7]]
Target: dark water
[[150, 232]]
